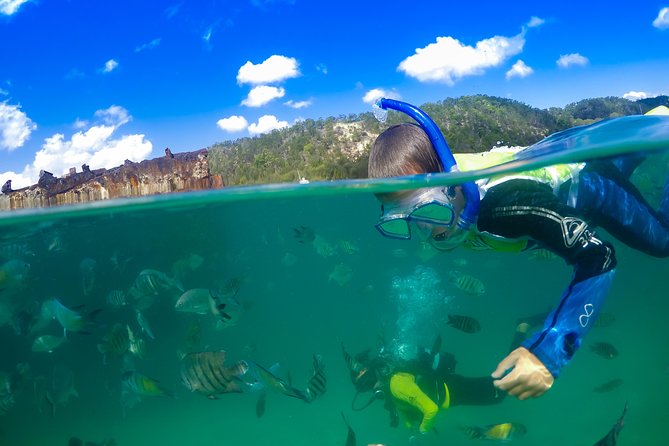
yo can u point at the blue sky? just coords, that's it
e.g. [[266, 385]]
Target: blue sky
[[99, 82]]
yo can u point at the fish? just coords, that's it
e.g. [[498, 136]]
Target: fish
[[604, 320], [115, 343], [47, 343], [304, 234], [14, 274], [207, 374], [542, 254], [70, 319], [268, 379], [117, 298], [604, 349], [61, 388], [191, 340], [19, 251], [144, 323], [136, 384], [153, 282], [316, 386], [228, 311], [611, 438], [609, 385], [466, 324], [136, 345], [498, 432], [119, 262], [186, 265], [468, 284], [348, 247], [200, 301], [7, 402], [341, 274], [350, 434], [231, 287]]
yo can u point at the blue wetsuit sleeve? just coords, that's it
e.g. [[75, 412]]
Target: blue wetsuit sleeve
[[566, 326], [525, 208]]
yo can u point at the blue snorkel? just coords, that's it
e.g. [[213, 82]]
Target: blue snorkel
[[469, 189]]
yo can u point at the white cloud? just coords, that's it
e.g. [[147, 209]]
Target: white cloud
[[568, 60], [322, 68], [97, 146], [274, 69], [448, 60], [206, 35], [3, 92], [635, 95], [298, 104], [148, 46], [535, 22], [74, 73], [232, 124], [519, 69], [377, 93], [15, 126], [266, 124], [80, 124], [662, 19], [110, 66], [9, 7], [261, 95], [114, 116]]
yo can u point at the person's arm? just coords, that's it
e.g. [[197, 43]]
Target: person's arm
[[523, 208]]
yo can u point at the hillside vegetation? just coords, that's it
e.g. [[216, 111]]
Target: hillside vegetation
[[338, 148]]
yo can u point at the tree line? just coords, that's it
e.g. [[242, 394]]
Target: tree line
[[338, 148]]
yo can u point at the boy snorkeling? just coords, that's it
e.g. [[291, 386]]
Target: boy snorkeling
[[553, 208]]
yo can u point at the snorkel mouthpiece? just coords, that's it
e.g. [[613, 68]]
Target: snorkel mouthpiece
[[469, 189]]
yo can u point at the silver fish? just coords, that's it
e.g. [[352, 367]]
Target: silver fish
[[206, 373], [47, 343], [71, 320], [144, 323]]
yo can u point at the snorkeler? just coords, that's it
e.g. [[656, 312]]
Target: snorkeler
[[417, 383], [554, 208]]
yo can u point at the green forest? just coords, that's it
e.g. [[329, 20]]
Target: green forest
[[338, 148]]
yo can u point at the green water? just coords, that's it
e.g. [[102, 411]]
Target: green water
[[307, 298]]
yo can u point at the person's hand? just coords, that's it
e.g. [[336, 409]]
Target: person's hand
[[528, 376]]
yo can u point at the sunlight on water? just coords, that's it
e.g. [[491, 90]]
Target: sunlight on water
[[300, 272]]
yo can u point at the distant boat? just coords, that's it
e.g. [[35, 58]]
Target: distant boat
[[301, 179]]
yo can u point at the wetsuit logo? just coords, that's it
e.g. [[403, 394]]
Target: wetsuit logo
[[585, 317], [574, 230]]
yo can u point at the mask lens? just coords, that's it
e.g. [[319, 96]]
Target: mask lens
[[395, 228], [434, 212]]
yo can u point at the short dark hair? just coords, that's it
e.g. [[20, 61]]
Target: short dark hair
[[402, 149]]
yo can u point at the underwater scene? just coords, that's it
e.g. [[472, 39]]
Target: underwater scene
[[242, 316]]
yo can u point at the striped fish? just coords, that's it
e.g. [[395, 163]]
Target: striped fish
[[468, 284], [117, 298], [6, 402], [205, 373], [114, 343], [464, 323], [316, 384]]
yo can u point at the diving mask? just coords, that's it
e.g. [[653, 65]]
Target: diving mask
[[427, 208]]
